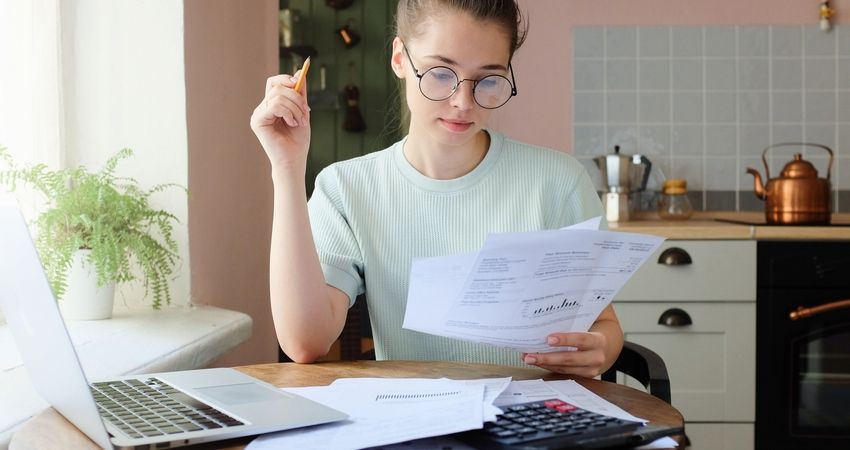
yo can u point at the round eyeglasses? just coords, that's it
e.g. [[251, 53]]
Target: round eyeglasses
[[440, 82]]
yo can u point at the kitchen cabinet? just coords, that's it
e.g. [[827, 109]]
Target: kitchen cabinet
[[720, 436], [718, 270], [700, 316], [712, 362]]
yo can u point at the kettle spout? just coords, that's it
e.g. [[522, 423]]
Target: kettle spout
[[757, 183]]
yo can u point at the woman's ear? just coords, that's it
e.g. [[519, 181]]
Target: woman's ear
[[397, 58]]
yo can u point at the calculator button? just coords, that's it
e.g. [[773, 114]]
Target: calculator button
[[506, 434], [566, 407]]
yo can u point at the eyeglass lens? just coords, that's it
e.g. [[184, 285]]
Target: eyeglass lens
[[439, 83]]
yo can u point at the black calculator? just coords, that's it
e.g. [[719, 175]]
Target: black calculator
[[556, 424]]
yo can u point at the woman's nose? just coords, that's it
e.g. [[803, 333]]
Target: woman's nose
[[463, 96]]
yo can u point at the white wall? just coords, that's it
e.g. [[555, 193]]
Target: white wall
[[124, 86]]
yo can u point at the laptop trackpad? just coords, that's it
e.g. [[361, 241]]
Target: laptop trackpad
[[238, 394]]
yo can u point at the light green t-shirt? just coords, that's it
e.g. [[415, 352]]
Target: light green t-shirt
[[372, 215]]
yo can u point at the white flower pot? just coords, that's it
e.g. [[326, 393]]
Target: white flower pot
[[83, 300]]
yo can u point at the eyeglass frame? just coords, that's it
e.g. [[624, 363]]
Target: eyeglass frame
[[512, 81]]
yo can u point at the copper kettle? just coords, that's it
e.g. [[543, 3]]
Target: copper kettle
[[797, 196]]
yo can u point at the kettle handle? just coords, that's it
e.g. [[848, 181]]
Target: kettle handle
[[645, 160], [797, 144]]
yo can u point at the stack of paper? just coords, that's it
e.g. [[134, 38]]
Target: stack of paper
[[521, 287], [385, 411]]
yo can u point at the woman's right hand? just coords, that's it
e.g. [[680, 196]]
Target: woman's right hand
[[282, 122]]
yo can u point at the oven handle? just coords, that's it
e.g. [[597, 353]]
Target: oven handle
[[802, 313]]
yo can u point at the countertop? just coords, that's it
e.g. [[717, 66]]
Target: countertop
[[705, 225]]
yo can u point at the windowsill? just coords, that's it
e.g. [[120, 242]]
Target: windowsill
[[137, 340]]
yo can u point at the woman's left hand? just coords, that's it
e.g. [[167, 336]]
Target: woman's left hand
[[587, 360]]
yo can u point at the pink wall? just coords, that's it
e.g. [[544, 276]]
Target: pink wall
[[231, 48], [543, 65]]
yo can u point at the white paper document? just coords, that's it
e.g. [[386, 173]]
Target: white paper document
[[493, 387], [385, 411], [520, 287]]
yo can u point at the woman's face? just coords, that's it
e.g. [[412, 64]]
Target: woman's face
[[473, 49]]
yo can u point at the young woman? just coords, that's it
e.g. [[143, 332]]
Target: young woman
[[438, 191]]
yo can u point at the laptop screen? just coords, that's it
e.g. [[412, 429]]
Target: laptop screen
[[39, 331]]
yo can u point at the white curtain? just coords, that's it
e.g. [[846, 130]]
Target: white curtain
[[31, 113]]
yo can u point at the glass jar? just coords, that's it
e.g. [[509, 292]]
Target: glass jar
[[674, 203]]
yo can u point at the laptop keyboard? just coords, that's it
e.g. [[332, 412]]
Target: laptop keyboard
[[149, 407], [553, 421]]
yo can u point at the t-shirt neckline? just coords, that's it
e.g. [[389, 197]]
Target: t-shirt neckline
[[455, 184]]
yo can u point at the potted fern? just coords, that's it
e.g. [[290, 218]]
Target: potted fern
[[97, 226]]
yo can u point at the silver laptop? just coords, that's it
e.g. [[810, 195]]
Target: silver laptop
[[152, 411]]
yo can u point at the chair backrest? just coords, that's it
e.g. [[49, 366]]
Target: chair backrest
[[643, 365]]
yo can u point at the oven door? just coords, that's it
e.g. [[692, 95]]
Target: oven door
[[803, 346], [820, 375]]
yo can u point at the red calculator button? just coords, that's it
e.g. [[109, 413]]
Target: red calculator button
[[566, 407], [553, 403]]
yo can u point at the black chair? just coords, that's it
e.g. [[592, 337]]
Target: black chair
[[643, 365]]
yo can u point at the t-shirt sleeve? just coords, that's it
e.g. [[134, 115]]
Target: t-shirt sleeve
[[336, 244], [577, 200]]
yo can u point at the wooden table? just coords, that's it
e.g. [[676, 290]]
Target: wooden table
[[49, 430]]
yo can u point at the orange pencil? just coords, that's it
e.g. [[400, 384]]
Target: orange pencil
[[304, 69]]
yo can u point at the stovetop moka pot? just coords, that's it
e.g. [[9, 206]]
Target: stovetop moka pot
[[797, 196], [621, 175]]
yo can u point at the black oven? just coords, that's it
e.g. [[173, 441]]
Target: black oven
[[803, 345]]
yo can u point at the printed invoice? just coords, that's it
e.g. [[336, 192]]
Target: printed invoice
[[520, 287]]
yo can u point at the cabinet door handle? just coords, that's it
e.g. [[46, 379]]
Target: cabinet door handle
[[675, 317], [675, 256]]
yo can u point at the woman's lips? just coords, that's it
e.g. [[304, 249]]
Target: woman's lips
[[456, 126]]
